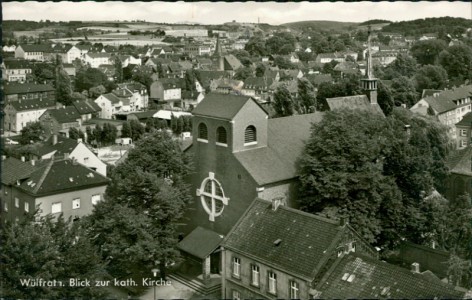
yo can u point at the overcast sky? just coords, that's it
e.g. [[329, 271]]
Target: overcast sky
[[220, 12]]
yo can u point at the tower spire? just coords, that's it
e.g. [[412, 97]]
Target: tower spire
[[369, 84]]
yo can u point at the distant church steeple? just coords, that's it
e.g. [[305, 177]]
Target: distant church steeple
[[369, 84], [219, 54]]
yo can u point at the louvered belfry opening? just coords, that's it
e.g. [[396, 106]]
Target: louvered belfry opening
[[250, 134], [202, 131], [221, 135]]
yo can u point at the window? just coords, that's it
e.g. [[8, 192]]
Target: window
[[463, 132], [272, 282], [95, 199], [202, 132], [463, 143], [255, 275], [26, 206], [294, 290], [221, 138], [76, 203], [17, 202], [250, 135], [236, 295], [56, 207], [236, 267], [86, 160]]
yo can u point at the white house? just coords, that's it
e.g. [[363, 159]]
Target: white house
[[77, 52], [19, 113], [97, 59], [32, 52], [111, 104]]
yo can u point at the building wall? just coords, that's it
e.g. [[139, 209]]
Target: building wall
[[15, 75], [248, 291], [106, 106], [250, 114], [86, 157], [25, 117], [9, 211], [66, 199], [464, 136]]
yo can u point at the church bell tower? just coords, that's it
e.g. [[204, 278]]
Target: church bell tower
[[369, 84]]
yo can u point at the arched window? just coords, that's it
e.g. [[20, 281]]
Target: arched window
[[221, 135], [202, 131], [250, 135]]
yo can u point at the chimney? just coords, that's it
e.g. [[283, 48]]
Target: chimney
[[66, 155], [79, 140], [23, 159], [276, 202], [54, 139], [4, 157], [33, 162], [415, 267]]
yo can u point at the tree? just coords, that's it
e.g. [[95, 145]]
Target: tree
[[283, 63], [427, 52], [190, 79], [328, 68], [137, 129], [43, 72], [47, 249], [404, 91], [136, 222], [88, 78], [457, 60], [430, 77], [243, 73], [89, 133], [73, 133], [97, 91], [283, 103], [31, 133], [385, 98], [403, 65], [63, 84], [256, 46], [260, 70], [306, 96], [118, 69], [126, 130]]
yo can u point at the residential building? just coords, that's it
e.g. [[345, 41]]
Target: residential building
[[449, 106], [97, 59], [58, 146], [36, 52], [77, 52], [60, 120], [167, 91], [15, 70], [464, 131], [15, 91], [17, 114], [277, 252], [459, 181], [87, 109], [140, 98], [257, 87], [196, 49], [54, 186], [111, 104]]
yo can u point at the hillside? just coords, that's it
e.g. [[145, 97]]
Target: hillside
[[429, 25], [321, 25]]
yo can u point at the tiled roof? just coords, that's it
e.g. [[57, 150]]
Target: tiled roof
[[112, 97], [304, 238], [429, 92], [57, 176], [375, 279], [144, 115], [286, 140], [36, 48], [17, 64], [86, 107], [346, 66], [466, 120], [186, 65], [67, 114], [320, 78], [193, 244], [443, 101], [132, 86], [258, 82], [460, 161], [20, 88], [14, 169], [220, 106], [63, 145], [83, 47], [32, 104], [232, 62], [354, 102], [98, 55]]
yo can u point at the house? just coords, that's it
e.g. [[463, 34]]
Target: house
[[111, 104], [60, 120], [257, 87], [58, 146], [17, 114], [208, 77], [77, 52], [277, 252], [449, 106], [346, 68], [167, 91], [167, 115], [36, 52], [15, 70], [141, 116], [324, 58], [239, 150], [140, 98], [464, 131], [109, 70], [226, 86], [54, 186], [87, 109], [293, 74], [197, 49], [97, 59], [155, 52], [129, 59], [70, 70], [190, 99], [459, 180], [59, 50], [154, 62], [21, 91], [384, 58]]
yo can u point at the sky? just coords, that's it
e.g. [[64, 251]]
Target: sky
[[220, 12]]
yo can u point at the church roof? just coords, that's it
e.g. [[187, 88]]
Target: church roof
[[354, 102], [286, 140], [220, 106]]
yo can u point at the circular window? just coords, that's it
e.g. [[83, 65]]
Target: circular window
[[212, 197]]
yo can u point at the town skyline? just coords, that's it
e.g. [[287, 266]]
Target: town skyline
[[220, 12]]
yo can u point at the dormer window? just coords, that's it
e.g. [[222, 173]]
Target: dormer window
[[250, 136], [202, 133], [221, 138]]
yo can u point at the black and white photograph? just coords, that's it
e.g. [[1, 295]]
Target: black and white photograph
[[236, 150]]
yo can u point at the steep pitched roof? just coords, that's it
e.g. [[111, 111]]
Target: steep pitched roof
[[354, 102], [460, 161], [232, 63], [20, 88], [14, 169], [304, 238], [444, 101], [67, 114], [286, 140], [17, 64], [32, 104], [98, 55], [193, 245], [258, 82], [63, 145], [57, 176], [220, 106], [83, 47], [36, 47], [86, 107], [375, 279], [112, 97], [466, 120]]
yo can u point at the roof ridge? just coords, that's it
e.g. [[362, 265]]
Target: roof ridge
[[43, 176]]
